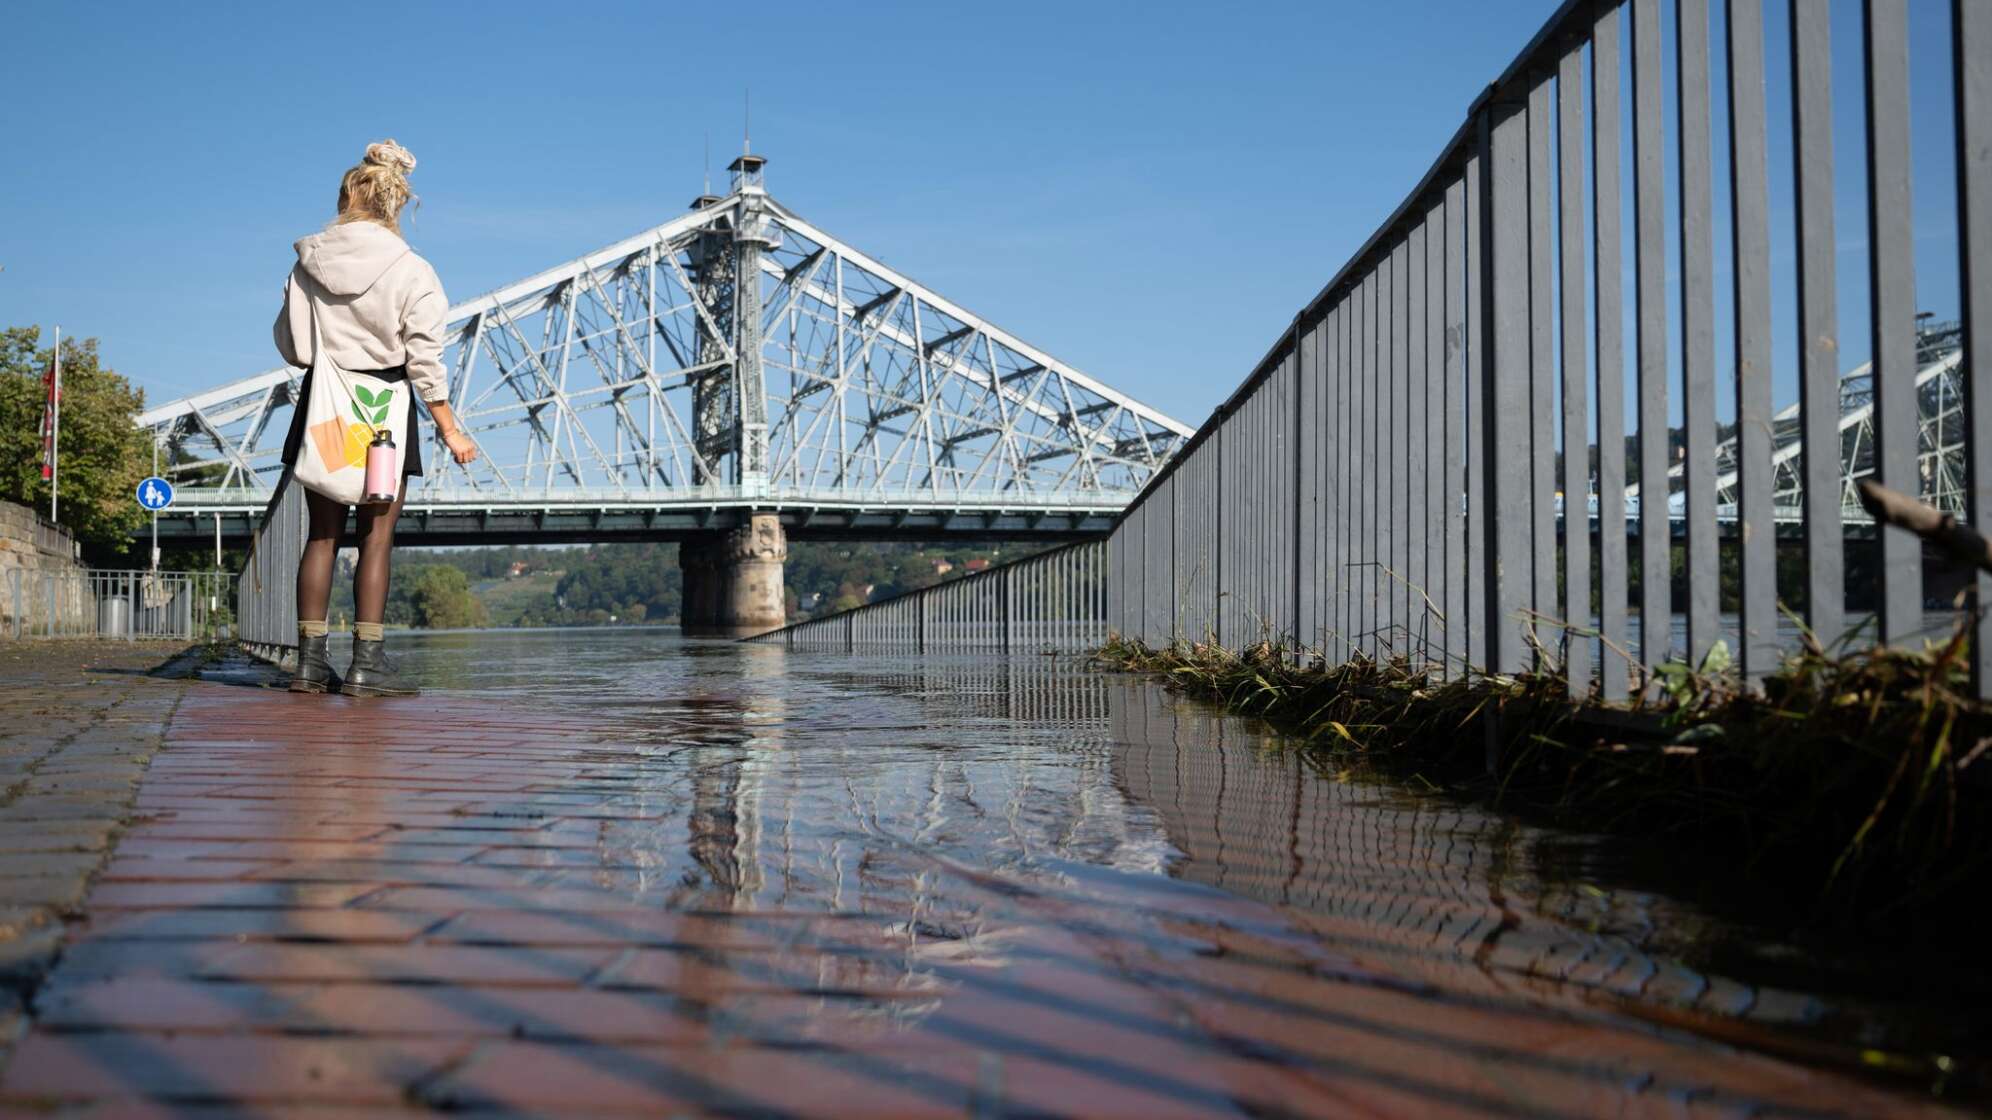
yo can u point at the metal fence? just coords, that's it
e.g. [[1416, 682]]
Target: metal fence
[[102, 603], [1389, 480], [267, 587], [1055, 600]]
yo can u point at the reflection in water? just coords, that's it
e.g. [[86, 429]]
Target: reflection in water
[[973, 828]]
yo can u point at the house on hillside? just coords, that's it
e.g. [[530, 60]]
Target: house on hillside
[[976, 565], [942, 567]]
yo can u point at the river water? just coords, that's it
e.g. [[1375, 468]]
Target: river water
[[1283, 907]]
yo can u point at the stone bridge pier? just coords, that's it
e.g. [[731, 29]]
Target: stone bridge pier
[[733, 580]]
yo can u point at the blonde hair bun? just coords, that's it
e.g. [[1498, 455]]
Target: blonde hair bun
[[387, 153], [375, 189]]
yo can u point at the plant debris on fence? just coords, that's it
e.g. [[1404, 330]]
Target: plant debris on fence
[[1859, 779]]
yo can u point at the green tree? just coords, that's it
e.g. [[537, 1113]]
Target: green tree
[[441, 599], [104, 455]]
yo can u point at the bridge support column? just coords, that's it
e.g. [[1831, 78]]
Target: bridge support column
[[733, 580]]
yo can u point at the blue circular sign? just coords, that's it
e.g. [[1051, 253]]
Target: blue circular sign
[[155, 494]]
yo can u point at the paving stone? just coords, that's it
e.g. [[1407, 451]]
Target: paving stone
[[46, 836], [251, 1068], [17, 864], [59, 891]]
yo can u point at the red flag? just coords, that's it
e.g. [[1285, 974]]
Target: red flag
[[49, 391]]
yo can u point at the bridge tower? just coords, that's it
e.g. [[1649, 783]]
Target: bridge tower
[[733, 580]]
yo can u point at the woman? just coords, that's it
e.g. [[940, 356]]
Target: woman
[[381, 310]]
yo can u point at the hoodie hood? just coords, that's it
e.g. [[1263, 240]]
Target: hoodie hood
[[346, 259]]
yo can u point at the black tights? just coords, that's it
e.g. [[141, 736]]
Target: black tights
[[314, 567]]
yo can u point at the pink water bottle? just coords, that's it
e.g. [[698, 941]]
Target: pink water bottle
[[382, 475]]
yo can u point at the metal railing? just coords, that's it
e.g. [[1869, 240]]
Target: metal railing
[[103, 603], [1055, 600], [267, 586], [1385, 482], [53, 540]]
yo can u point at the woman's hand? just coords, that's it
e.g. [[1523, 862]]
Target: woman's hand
[[461, 447]]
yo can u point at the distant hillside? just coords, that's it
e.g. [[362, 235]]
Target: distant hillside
[[640, 583]]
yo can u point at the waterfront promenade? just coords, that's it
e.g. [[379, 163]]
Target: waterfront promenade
[[812, 887]]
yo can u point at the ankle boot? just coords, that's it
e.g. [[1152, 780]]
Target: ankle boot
[[372, 674], [314, 668]]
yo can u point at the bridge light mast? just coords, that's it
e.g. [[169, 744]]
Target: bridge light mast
[[753, 234], [733, 580]]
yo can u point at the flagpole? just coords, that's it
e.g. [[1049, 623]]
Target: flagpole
[[55, 432]]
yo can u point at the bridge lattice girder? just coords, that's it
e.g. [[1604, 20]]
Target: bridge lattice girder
[[617, 376], [1940, 383]]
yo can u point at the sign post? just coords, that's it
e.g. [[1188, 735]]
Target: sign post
[[155, 494]]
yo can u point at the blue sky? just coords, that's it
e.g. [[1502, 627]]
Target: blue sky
[[1148, 191]]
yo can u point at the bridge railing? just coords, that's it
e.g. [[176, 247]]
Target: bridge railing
[[420, 495], [266, 588], [1054, 600], [1385, 482]]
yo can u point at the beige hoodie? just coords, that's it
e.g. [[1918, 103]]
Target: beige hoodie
[[380, 305]]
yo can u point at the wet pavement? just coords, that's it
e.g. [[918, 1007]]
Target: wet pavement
[[615, 873]]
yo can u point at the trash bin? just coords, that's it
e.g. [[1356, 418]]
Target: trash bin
[[114, 617]]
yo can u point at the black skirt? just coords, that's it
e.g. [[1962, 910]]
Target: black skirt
[[411, 455]]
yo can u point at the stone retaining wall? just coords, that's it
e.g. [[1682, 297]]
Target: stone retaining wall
[[28, 543]]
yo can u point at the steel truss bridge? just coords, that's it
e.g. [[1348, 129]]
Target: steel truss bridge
[[1940, 380], [735, 359], [1940, 383]]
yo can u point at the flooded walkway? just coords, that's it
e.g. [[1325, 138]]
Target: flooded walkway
[[614, 873]]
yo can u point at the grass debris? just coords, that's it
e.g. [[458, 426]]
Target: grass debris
[[1860, 780]]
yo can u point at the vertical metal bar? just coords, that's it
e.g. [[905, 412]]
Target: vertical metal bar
[[1650, 274], [1473, 292], [1216, 445], [1576, 416], [1396, 459], [1459, 620], [1434, 418], [1306, 446], [1415, 475], [1329, 587], [1322, 420], [1116, 559], [1362, 427], [1751, 250], [1348, 501], [1541, 367], [1892, 315], [1607, 261], [1818, 318], [1504, 367], [1971, 47], [1697, 324], [1374, 534]]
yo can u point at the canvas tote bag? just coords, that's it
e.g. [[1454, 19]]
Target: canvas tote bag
[[340, 418]]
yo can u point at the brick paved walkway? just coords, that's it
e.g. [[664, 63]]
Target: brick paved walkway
[[78, 723], [355, 909]]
